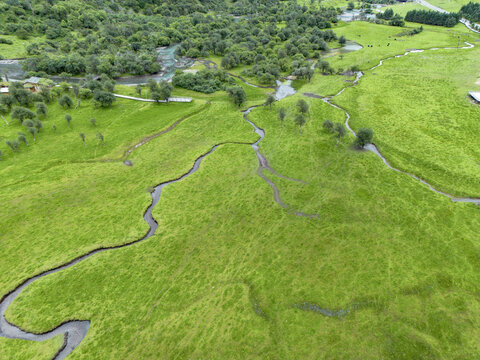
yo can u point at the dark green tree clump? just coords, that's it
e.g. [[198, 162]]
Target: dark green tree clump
[[103, 98], [237, 94], [433, 18], [206, 81], [471, 11], [364, 137]]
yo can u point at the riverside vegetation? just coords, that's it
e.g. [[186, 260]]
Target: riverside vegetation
[[387, 269]]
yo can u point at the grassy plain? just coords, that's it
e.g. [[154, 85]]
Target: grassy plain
[[451, 5], [222, 276], [18, 49], [19, 349], [422, 116]]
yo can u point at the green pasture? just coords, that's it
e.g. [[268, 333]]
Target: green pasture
[[229, 270]]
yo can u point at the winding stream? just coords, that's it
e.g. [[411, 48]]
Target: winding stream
[[372, 147], [74, 331]]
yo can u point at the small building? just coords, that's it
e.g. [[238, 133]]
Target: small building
[[4, 90], [32, 84], [475, 95]]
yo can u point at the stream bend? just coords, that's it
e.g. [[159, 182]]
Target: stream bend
[[74, 331], [372, 147]]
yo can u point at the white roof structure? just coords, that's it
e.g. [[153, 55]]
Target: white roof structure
[[475, 95], [4, 90], [33, 80]]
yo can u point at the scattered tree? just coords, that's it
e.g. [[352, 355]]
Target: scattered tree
[[364, 137], [328, 125], [22, 138], [33, 131], [93, 122], [270, 100], [22, 113], [300, 121], [238, 95], [102, 139], [282, 114], [65, 101], [103, 98], [68, 119], [82, 136], [340, 131], [342, 40], [41, 109], [302, 106]]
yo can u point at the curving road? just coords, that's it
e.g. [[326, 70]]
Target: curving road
[[467, 23]]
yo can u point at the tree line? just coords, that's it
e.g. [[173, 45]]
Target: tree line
[[433, 17]]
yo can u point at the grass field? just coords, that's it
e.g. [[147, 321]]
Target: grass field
[[432, 136], [220, 278], [19, 349], [451, 5], [228, 271], [18, 49]]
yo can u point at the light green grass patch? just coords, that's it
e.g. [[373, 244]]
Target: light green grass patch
[[18, 49]]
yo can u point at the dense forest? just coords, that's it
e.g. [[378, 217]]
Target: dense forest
[[471, 11], [121, 37], [433, 17]]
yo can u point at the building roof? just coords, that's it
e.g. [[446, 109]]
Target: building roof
[[4, 90], [33, 80]]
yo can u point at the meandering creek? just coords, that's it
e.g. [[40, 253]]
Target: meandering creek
[[75, 331], [372, 147]]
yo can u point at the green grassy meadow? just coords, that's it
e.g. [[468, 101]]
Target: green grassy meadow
[[228, 268], [451, 5], [18, 49]]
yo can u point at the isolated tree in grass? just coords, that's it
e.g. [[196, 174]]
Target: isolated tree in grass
[[54, 127], [82, 136], [13, 145], [85, 94], [65, 86], [41, 109], [7, 100], [65, 101], [328, 125], [139, 89], [152, 85], [68, 119], [33, 131], [302, 106], [101, 138], [4, 111], [109, 85], [46, 95], [103, 98], [340, 132], [22, 138], [165, 90], [76, 90], [93, 122], [237, 94], [300, 121], [156, 96], [342, 40], [282, 114], [270, 100], [37, 124], [21, 114], [364, 137]]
